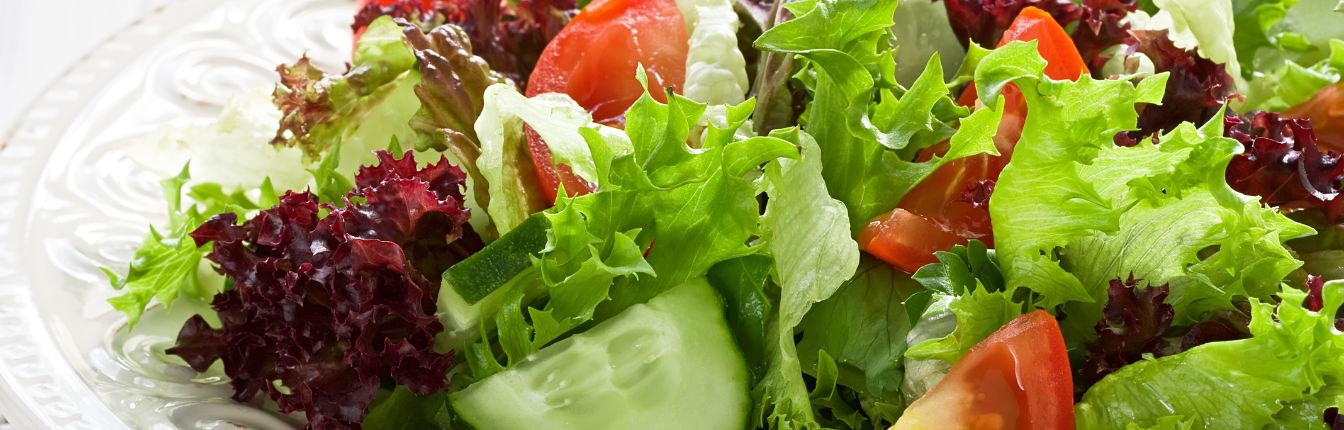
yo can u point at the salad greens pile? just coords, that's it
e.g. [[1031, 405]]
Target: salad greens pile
[[379, 248]]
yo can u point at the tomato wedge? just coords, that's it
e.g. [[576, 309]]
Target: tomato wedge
[[1018, 378], [594, 59], [936, 217], [1326, 112]]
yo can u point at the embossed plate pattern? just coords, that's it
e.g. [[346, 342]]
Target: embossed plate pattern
[[72, 201]]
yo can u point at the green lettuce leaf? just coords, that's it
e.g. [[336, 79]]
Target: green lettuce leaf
[[979, 313], [1255, 23], [743, 282], [168, 265], [867, 149], [862, 329], [1293, 84], [1206, 26], [960, 269], [1070, 123], [233, 150], [1209, 242], [1290, 50], [969, 280], [400, 409], [923, 31], [664, 213], [807, 232], [505, 162], [1284, 376]]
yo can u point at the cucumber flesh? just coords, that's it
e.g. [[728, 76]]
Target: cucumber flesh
[[461, 320], [473, 290], [667, 364]]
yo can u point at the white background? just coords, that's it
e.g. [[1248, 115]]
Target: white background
[[41, 39]]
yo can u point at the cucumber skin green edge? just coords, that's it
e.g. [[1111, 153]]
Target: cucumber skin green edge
[[710, 325], [482, 273]]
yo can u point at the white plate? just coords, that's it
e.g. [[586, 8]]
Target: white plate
[[71, 201]]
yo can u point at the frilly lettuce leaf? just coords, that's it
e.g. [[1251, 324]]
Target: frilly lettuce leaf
[[1284, 376], [361, 110], [451, 92], [979, 313], [969, 279], [510, 36], [1070, 123], [169, 265], [867, 149], [1208, 241], [663, 213]]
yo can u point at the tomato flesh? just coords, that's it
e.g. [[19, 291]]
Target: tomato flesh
[[1018, 378], [949, 219], [594, 59], [552, 175], [1326, 111], [888, 238]]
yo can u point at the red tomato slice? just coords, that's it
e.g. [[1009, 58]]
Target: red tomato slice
[[948, 219], [1326, 111], [1062, 58], [594, 60], [1018, 378], [888, 238]]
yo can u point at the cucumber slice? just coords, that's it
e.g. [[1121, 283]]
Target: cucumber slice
[[474, 278], [667, 364], [462, 321], [473, 289]]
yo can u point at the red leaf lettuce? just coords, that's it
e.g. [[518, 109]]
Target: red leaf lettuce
[[509, 35], [1283, 165], [323, 310]]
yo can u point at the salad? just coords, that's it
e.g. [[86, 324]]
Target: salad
[[727, 214]]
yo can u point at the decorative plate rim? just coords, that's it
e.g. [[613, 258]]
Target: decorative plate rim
[[39, 388]]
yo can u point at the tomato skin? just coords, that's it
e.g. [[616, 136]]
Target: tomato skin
[[1017, 378], [594, 59], [1062, 58], [1326, 111], [938, 198]]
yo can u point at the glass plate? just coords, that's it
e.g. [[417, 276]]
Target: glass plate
[[72, 201]]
